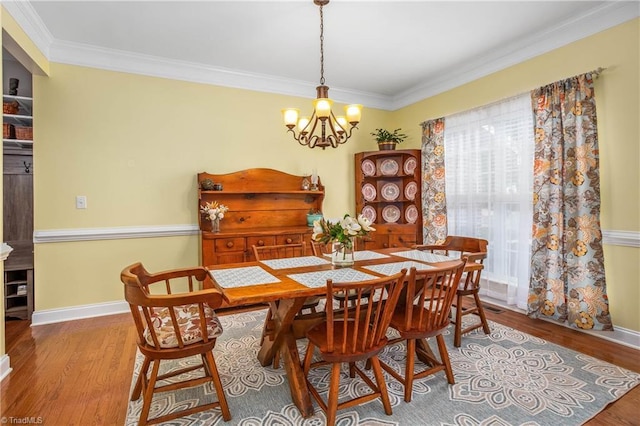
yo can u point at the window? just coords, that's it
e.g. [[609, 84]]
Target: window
[[489, 169]]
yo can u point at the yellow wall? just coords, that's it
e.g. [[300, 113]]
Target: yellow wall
[[133, 145], [618, 104]]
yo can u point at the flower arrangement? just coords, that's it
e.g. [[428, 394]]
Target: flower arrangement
[[214, 210], [341, 232]]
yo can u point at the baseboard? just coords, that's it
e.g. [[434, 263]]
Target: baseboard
[[71, 313], [5, 366], [619, 335]]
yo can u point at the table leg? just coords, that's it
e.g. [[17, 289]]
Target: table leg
[[424, 352], [285, 342]]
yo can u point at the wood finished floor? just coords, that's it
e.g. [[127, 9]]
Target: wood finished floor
[[79, 372]]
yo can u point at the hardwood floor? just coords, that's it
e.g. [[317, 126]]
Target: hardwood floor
[[79, 372]]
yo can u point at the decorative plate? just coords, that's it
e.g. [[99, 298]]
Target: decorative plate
[[410, 166], [389, 167], [391, 214], [390, 191], [369, 192], [368, 168], [411, 214], [370, 213], [411, 190]]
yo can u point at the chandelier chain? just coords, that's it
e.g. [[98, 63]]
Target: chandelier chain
[[321, 46]]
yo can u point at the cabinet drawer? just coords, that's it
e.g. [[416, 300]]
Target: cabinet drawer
[[289, 239], [229, 244], [263, 240]]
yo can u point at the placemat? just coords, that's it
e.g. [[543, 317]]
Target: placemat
[[424, 256], [395, 267], [319, 278], [240, 277], [294, 262]]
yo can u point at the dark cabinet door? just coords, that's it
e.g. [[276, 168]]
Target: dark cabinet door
[[18, 197]]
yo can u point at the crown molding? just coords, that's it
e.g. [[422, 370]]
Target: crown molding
[[122, 61], [595, 20], [30, 22]]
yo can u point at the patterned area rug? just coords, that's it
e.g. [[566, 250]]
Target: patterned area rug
[[505, 378]]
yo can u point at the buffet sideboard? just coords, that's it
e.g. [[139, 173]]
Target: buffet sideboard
[[266, 207]]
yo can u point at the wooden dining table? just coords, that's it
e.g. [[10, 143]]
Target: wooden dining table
[[285, 284]]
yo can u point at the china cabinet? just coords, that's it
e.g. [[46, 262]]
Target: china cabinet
[[388, 192], [266, 207]]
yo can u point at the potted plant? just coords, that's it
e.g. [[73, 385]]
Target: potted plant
[[313, 215], [388, 140]]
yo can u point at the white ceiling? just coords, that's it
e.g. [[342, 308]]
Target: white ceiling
[[384, 54]]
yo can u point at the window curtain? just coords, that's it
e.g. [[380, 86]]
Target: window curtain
[[489, 162], [434, 206], [567, 263]]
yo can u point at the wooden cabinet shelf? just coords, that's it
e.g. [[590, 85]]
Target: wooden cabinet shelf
[[266, 207]]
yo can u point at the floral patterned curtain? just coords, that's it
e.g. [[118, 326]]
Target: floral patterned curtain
[[434, 205], [567, 265]]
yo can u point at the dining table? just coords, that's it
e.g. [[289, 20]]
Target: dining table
[[285, 284]]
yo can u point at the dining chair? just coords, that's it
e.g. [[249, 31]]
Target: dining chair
[[423, 312], [281, 251], [174, 315], [278, 251], [351, 334], [475, 249]]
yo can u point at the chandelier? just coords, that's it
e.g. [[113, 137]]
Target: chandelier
[[332, 130]]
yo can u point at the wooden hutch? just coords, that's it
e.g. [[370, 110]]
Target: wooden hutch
[[266, 207], [388, 188]]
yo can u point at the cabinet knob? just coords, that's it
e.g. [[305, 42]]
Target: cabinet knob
[[260, 242], [230, 244], [289, 240], [385, 245]]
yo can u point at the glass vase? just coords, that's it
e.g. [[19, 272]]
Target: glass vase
[[215, 225], [342, 254]]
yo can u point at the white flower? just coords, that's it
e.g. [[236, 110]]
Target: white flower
[[365, 223], [350, 225]]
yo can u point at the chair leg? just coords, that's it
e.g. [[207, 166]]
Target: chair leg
[[308, 357], [148, 393], [137, 390], [217, 383], [332, 400], [483, 318], [408, 371], [444, 357], [457, 337], [382, 385]]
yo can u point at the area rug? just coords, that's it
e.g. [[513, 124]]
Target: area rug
[[505, 378]]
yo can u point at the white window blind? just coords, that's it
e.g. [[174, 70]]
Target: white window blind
[[489, 172]]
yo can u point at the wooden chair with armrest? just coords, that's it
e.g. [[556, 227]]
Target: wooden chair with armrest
[[174, 316], [422, 312], [350, 334], [281, 251], [475, 249]]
